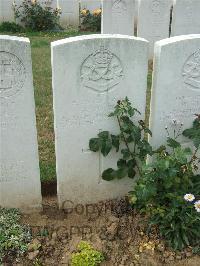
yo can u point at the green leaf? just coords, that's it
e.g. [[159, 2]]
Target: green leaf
[[115, 142], [111, 174], [188, 151], [180, 155], [106, 146], [160, 149], [121, 163], [105, 142], [126, 154], [135, 133], [94, 144], [131, 163], [133, 199], [194, 132], [104, 135], [121, 172], [173, 143], [108, 174], [144, 149], [111, 114], [196, 142], [131, 173]]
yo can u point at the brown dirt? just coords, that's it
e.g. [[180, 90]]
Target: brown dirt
[[111, 227], [49, 188]]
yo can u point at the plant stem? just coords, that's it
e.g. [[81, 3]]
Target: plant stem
[[194, 155], [126, 143]]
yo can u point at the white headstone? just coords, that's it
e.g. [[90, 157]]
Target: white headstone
[[90, 74], [118, 17], [19, 165], [1, 13], [176, 86], [186, 17], [153, 21], [49, 3], [6, 11], [91, 5], [70, 13]]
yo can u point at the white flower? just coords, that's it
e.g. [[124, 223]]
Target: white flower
[[197, 205], [189, 197]]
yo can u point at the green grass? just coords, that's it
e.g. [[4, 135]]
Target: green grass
[[41, 60], [148, 96]]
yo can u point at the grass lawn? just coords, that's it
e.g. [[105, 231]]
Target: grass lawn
[[41, 59]]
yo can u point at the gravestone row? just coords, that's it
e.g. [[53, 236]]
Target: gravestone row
[[154, 18], [90, 73]]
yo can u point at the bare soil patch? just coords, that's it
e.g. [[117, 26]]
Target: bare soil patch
[[111, 227]]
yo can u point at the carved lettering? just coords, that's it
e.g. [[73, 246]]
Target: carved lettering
[[11, 170], [187, 106]]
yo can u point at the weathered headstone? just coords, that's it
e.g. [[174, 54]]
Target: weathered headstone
[[6, 10], [153, 21], [1, 14], [49, 3], [118, 17], [186, 17], [91, 5], [70, 13], [90, 73], [176, 87], [19, 165]]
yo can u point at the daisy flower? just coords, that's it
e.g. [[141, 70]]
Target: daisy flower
[[189, 197], [197, 205]]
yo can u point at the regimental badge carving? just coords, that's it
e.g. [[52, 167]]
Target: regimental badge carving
[[101, 71], [191, 71], [119, 6], [156, 6], [12, 74]]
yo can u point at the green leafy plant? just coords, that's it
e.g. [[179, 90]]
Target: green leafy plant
[[162, 190], [10, 27], [37, 17], [91, 21], [130, 142], [86, 255], [14, 237]]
